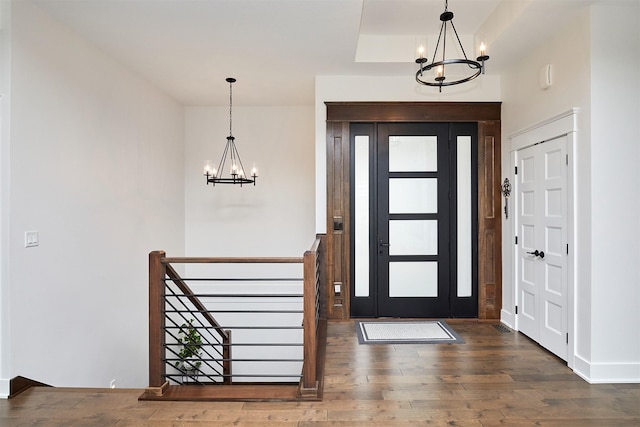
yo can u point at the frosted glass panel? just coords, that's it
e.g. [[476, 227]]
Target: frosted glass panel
[[413, 237], [464, 216], [413, 195], [413, 154], [361, 223], [413, 279]]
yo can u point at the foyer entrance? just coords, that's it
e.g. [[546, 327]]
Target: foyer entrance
[[414, 220]]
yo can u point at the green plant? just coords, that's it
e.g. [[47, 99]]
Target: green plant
[[190, 352]]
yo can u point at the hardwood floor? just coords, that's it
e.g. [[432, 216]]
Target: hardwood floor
[[494, 379]]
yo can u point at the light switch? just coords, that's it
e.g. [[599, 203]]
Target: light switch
[[30, 239]]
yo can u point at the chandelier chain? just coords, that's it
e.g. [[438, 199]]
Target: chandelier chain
[[230, 109]]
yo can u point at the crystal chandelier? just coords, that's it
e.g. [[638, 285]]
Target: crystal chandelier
[[237, 173], [471, 68]]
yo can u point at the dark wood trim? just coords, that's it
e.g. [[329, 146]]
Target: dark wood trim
[[312, 284], [489, 221], [244, 392], [20, 384], [337, 248], [339, 117], [412, 111], [228, 393], [157, 391], [156, 319]]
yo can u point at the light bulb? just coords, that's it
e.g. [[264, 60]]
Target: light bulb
[[207, 167], [483, 48]]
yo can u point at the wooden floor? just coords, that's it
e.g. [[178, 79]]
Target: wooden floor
[[494, 379]]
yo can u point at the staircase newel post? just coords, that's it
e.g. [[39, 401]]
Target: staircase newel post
[[157, 273], [309, 321]]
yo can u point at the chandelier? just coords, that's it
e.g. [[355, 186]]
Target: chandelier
[[471, 68], [236, 169]]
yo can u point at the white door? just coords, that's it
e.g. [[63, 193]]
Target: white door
[[541, 215]]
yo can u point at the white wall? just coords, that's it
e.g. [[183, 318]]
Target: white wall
[[272, 218], [5, 78], [525, 104], [615, 183], [485, 88], [594, 70], [97, 169]]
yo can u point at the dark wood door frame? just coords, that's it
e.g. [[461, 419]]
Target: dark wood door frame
[[339, 117]]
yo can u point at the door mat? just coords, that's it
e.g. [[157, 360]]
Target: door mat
[[406, 332]]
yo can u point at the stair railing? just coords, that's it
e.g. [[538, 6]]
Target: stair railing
[[173, 306]]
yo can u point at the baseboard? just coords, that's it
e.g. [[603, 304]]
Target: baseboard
[[18, 385], [607, 373], [5, 387], [507, 318]]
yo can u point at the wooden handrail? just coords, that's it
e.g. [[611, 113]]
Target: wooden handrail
[[224, 333], [186, 290], [234, 260]]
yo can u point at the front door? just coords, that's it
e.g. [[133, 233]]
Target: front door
[[542, 247], [413, 210]]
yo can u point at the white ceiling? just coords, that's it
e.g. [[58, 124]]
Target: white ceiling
[[275, 48]]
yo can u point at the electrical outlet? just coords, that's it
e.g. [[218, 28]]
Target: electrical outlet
[[113, 383], [30, 239]]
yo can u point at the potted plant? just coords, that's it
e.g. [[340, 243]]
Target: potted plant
[[190, 353]]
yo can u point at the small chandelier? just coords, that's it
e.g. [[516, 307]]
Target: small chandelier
[[475, 67], [236, 171]]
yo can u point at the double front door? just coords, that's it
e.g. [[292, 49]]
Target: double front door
[[414, 220]]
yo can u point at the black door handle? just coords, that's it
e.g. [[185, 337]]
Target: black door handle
[[384, 244], [537, 253]]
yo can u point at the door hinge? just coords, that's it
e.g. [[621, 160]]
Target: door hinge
[[516, 309], [516, 170], [516, 240], [567, 337], [567, 249], [567, 159]]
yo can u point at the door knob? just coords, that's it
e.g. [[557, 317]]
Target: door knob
[[537, 253]]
